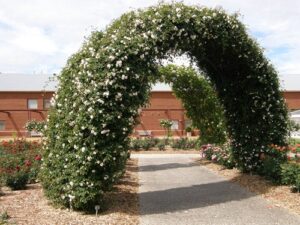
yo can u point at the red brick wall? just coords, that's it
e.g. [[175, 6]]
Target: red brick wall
[[163, 105], [292, 99], [14, 111]]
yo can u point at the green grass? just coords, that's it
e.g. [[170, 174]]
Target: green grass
[[293, 141]]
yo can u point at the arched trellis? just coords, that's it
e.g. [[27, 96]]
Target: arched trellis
[[200, 101], [104, 84]]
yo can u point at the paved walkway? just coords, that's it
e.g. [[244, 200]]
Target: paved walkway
[[176, 191]]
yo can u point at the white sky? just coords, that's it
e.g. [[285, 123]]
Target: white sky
[[37, 36]]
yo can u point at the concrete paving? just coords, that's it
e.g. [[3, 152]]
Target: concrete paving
[[174, 190]]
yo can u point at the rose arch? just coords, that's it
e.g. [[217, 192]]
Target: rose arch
[[105, 83]]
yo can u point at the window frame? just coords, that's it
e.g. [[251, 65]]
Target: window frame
[[173, 123], [44, 103], [2, 128], [30, 99]]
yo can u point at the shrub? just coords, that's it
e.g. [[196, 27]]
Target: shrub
[[135, 144], [208, 151], [17, 180], [290, 173], [271, 162], [161, 145], [4, 217], [143, 144], [271, 169], [297, 183], [34, 125], [184, 144], [224, 156], [148, 143], [19, 161]]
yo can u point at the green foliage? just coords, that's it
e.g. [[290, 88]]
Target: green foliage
[[200, 101], [208, 151], [161, 145], [143, 144], [19, 162], [105, 83], [292, 125], [17, 180], [224, 156], [184, 144], [188, 129], [166, 124], [219, 154], [297, 183], [148, 143], [290, 173], [272, 160], [271, 169], [135, 144], [4, 217], [34, 125]]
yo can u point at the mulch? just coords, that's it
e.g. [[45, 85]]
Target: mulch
[[277, 195], [30, 207]]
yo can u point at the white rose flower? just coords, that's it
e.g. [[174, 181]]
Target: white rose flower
[[119, 63]]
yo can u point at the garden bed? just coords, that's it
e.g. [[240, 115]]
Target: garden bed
[[30, 207], [280, 195]]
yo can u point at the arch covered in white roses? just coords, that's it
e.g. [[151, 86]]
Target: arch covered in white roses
[[105, 83]]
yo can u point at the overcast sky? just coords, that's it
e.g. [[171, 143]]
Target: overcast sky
[[37, 36]]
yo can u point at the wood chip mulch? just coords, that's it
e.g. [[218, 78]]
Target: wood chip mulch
[[30, 207], [278, 195]]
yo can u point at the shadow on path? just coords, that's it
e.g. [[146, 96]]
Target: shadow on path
[[166, 166], [196, 196]]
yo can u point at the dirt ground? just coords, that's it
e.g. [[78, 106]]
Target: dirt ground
[[30, 207], [279, 195]]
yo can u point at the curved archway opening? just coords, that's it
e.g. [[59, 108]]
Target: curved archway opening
[[108, 80]]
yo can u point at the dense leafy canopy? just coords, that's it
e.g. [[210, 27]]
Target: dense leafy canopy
[[105, 83], [199, 100]]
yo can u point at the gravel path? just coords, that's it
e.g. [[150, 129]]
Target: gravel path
[[174, 190]]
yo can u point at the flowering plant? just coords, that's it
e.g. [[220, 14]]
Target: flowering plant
[[19, 162], [167, 124], [105, 83]]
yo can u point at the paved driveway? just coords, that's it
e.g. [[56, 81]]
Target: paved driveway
[[176, 191]]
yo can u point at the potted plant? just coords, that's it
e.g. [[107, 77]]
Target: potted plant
[[167, 124], [188, 131]]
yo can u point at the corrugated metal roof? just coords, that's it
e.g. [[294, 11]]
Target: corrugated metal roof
[[290, 82], [41, 82], [161, 87], [26, 82]]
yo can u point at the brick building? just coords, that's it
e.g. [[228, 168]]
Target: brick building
[[27, 97]]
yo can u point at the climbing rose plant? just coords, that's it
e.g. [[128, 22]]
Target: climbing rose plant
[[200, 101], [105, 83]]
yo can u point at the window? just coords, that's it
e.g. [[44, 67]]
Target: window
[[175, 125], [32, 104], [47, 103], [188, 123], [2, 124]]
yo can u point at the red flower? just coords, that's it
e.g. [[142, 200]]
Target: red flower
[[38, 157], [18, 168], [262, 156], [27, 163]]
